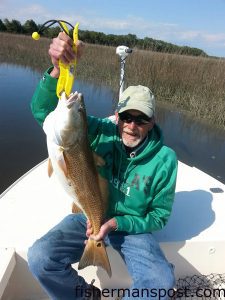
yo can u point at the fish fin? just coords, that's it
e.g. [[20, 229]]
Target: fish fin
[[76, 209], [95, 254], [62, 164], [50, 168], [99, 161]]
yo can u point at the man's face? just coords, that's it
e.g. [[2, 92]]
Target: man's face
[[131, 132]]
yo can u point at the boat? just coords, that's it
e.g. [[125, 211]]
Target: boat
[[193, 240]]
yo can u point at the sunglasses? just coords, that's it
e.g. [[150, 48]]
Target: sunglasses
[[138, 120]]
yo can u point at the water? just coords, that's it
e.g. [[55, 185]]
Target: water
[[196, 144], [23, 142]]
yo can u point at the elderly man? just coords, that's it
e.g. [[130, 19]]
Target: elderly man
[[142, 176]]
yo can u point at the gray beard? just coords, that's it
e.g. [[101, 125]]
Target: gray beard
[[132, 144]]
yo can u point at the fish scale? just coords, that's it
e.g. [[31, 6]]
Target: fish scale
[[87, 178]]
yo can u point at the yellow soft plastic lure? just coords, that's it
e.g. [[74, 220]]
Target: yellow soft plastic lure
[[67, 71]]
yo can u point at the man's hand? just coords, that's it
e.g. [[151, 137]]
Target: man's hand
[[107, 227], [61, 48]]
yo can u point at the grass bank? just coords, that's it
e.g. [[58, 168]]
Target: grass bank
[[192, 84]]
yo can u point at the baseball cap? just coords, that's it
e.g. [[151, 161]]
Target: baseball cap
[[139, 98]]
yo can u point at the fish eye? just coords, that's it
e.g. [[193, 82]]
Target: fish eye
[[80, 109]]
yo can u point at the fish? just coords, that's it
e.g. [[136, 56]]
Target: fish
[[75, 165]]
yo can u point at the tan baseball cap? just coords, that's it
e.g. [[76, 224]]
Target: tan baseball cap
[[139, 98]]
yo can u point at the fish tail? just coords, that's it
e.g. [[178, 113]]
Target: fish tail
[[95, 254]]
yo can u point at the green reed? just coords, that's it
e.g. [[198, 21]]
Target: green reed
[[192, 84]]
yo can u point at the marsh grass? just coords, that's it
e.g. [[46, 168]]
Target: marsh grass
[[23, 50], [192, 84]]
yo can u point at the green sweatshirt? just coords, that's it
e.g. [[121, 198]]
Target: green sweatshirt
[[141, 187]]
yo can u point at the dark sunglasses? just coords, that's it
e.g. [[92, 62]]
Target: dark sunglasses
[[138, 120]]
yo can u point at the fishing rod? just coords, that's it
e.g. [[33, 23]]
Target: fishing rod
[[123, 52]]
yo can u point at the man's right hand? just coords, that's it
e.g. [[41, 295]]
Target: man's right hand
[[61, 48], [107, 227]]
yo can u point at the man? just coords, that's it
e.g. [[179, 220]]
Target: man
[[142, 175]]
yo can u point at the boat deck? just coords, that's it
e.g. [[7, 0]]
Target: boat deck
[[193, 240]]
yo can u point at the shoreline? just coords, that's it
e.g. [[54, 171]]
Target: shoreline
[[191, 85]]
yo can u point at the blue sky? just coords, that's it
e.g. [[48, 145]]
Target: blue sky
[[195, 23]]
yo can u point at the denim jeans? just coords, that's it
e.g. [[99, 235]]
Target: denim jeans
[[50, 260]]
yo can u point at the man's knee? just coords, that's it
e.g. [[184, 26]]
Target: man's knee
[[38, 257]]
